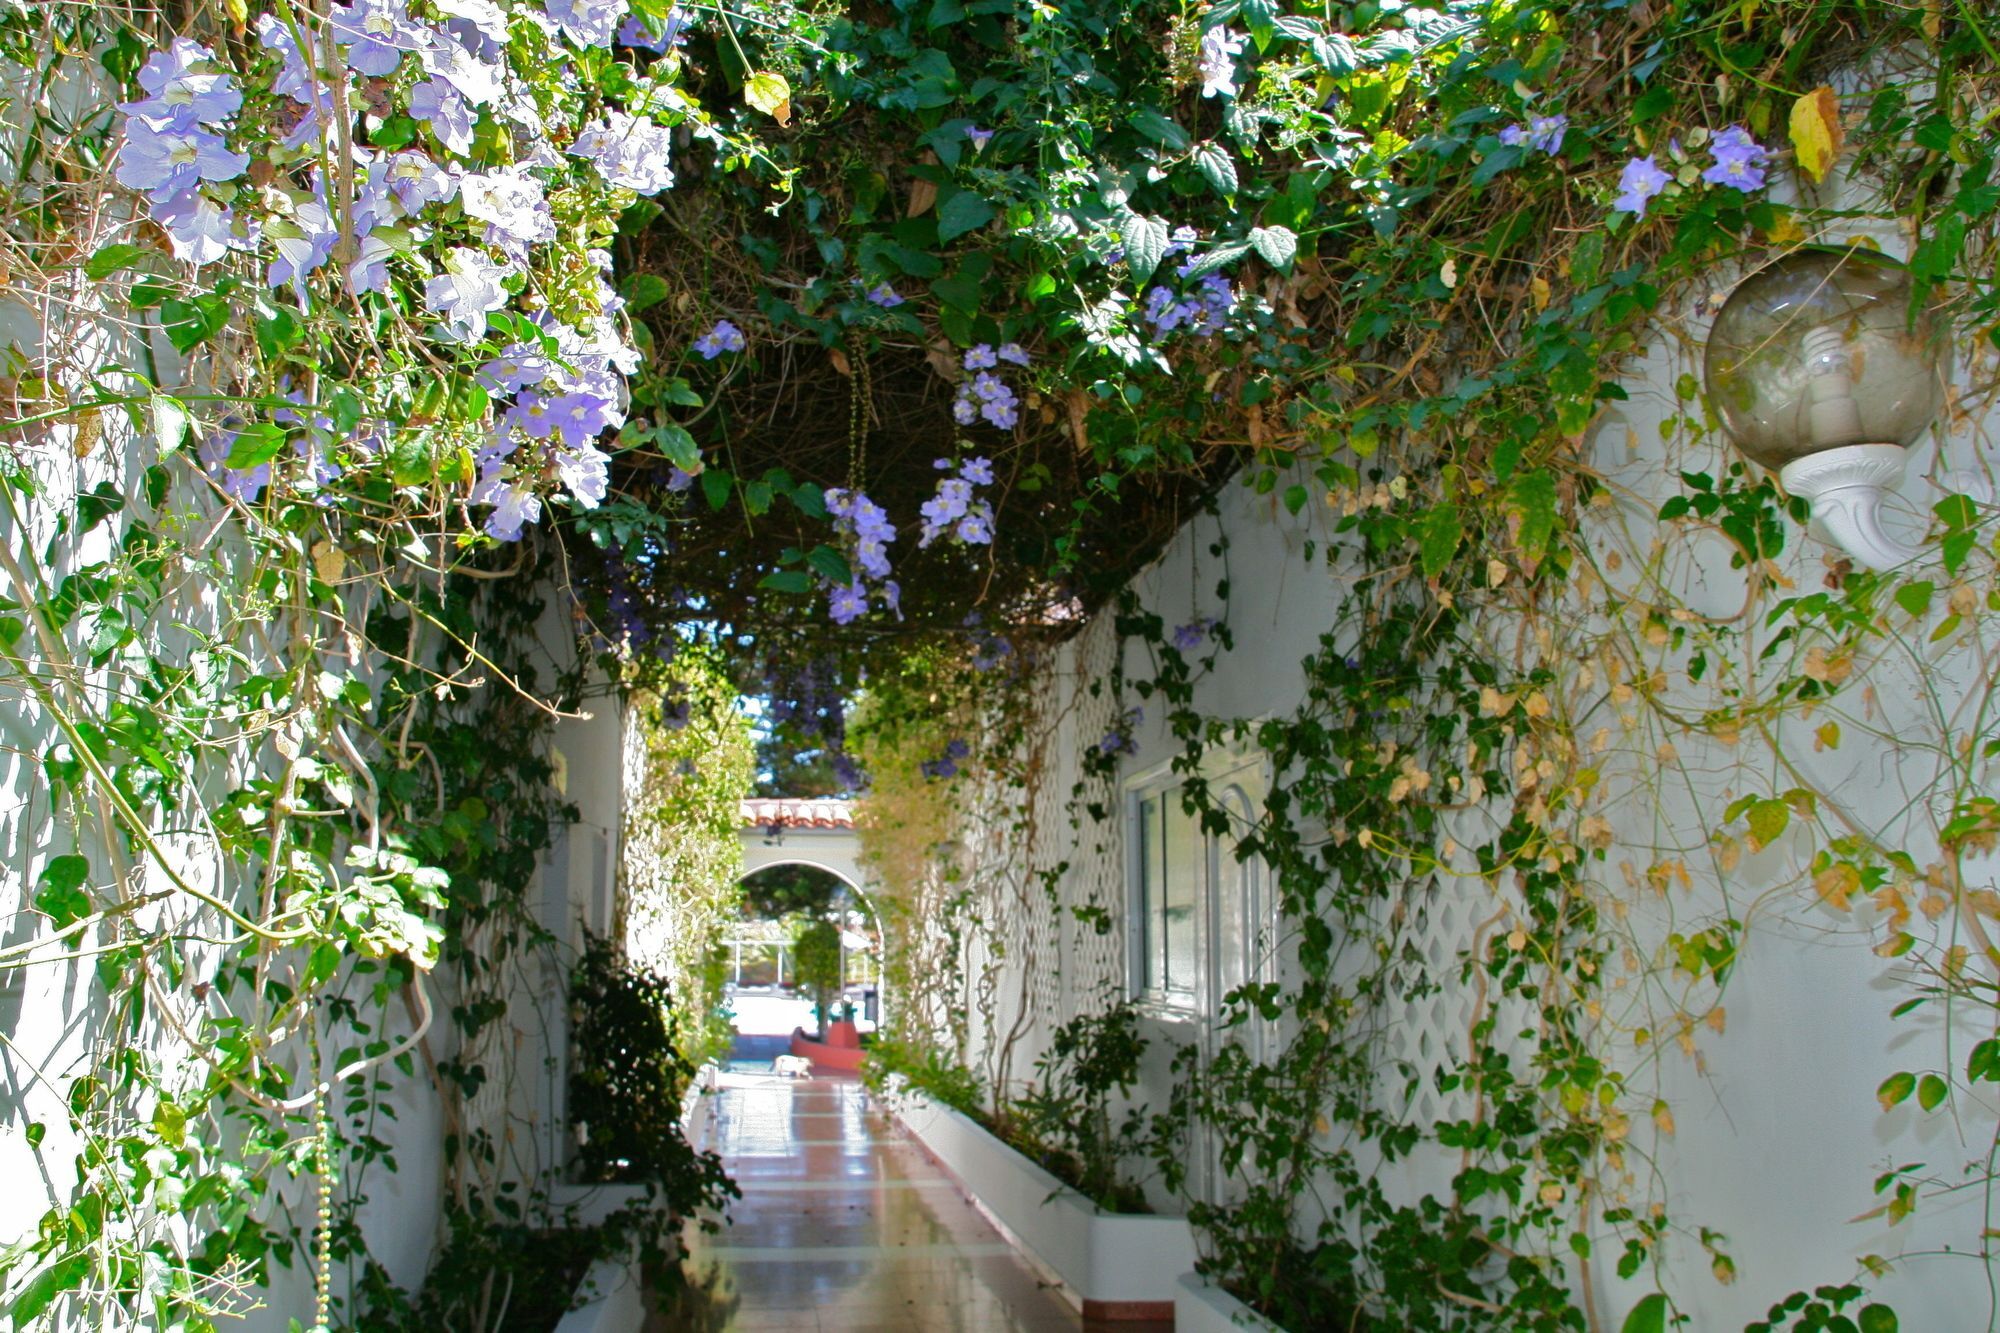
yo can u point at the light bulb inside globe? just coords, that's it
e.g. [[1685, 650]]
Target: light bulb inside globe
[[1818, 371]]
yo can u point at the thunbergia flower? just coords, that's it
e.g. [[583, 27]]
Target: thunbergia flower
[[1545, 133], [202, 231], [1188, 637], [1514, 135], [1739, 160], [519, 366], [295, 77], [439, 106], [885, 296], [587, 22], [467, 292], [628, 150], [1640, 184], [532, 416], [370, 270], [476, 80], [377, 34], [976, 528], [724, 337], [980, 138], [580, 417], [511, 205], [1000, 412], [586, 472], [679, 479], [166, 160], [964, 410], [515, 504], [181, 94], [417, 182], [847, 604], [1217, 62], [303, 243], [1182, 239], [1014, 353], [481, 17], [978, 471], [981, 357]]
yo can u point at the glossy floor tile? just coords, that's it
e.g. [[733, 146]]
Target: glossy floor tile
[[846, 1227]]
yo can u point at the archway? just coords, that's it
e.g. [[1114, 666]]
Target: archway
[[816, 835]]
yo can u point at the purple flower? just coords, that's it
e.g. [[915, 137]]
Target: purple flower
[[169, 161], [181, 94], [628, 150], [295, 78], [579, 417], [516, 368], [981, 357], [586, 471], [980, 138], [370, 270], [885, 296], [1739, 160], [956, 748], [964, 410], [1514, 136], [1641, 182], [531, 415], [1000, 413], [377, 34], [476, 80], [417, 182], [467, 291], [978, 471], [511, 205], [1545, 133], [976, 528], [587, 22], [679, 479], [1013, 352], [449, 116], [1217, 62], [724, 337], [515, 504], [845, 605], [1183, 238], [1188, 637], [202, 231], [303, 243]]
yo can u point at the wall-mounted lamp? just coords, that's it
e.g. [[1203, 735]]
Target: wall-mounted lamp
[[1817, 370]]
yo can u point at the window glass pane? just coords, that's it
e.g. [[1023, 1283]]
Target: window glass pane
[[1186, 868], [1148, 914]]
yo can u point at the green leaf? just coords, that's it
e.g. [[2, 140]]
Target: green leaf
[[256, 445], [787, 580], [644, 291], [1648, 1316], [1916, 597], [170, 1121], [1533, 498], [1768, 820], [1896, 1090], [60, 892], [679, 446], [1931, 1092], [275, 328], [1276, 245], [964, 211], [189, 324], [325, 961], [830, 565], [168, 418], [1217, 167], [769, 93], [1145, 246], [715, 484], [110, 259], [1295, 497], [1878, 1319], [1162, 130], [1438, 538]]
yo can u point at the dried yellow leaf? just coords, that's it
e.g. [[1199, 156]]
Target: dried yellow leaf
[[1817, 134]]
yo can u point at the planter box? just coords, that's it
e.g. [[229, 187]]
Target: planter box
[[827, 1055], [615, 1300], [1200, 1308], [1114, 1266]]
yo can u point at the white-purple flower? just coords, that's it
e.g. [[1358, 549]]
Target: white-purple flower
[[1013, 352], [165, 161], [476, 80], [531, 415], [377, 34], [418, 181], [845, 605], [586, 471], [885, 296], [1739, 160], [180, 93], [449, 115], [1217, 62], [978, 471], [467, 291], [202, 231], [634, 32], [512, 206], [369, 271], [579, 417], [724, 337], [519, 366], [630, 151], [303, 242], [295, 77], [515, 504], [1639, 185], [980, 138], [981, 357], [587, 22]]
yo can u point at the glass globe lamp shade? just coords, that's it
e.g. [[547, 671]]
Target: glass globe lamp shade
[[1817, 351]]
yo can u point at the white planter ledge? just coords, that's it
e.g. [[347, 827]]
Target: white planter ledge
[[1200, 1308], [1111, 1265], [614, 1300]]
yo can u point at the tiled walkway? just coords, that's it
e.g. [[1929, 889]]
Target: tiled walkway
[[846, 1227]]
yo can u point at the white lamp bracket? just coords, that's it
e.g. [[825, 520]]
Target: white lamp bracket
[[1846, 487]]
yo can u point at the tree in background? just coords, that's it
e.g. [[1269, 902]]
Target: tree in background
[[816, 963], [777, 892], [688, 766]]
